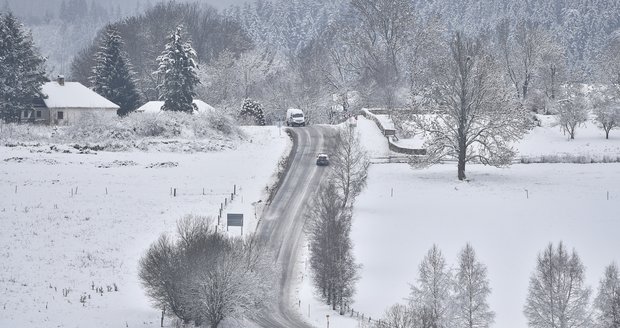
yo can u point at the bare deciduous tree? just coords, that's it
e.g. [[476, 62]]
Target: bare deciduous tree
[[349, 166], [471, 291], [607, 302], [382, 39], [432, 299], [607, 110], [331, 259], [476, 118], [397, 316], [557, 295], [572, 112], [527, 51], [163, 277]]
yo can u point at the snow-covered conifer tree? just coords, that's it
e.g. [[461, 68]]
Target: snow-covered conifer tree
[[607, 302], [471, 292], [112, 75], [22, 70], [177, 70], [557, 296]]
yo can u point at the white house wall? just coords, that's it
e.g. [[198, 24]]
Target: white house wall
[[74, 115]]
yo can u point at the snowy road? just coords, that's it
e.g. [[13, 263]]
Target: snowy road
[[282, 224]]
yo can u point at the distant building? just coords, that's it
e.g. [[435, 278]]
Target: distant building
[[155, 107], [66, 102]]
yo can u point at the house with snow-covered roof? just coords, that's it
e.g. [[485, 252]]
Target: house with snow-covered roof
[[67, 102], [155, 107]]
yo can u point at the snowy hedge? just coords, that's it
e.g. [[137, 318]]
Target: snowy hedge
[[189, 132]]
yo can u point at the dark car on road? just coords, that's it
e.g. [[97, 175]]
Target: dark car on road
[[322, 160]]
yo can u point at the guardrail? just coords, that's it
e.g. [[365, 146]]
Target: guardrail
[[388, 133]]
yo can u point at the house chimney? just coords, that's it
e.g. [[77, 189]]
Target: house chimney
[[61, 79]]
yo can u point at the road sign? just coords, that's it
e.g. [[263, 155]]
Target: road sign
[[234, 220]]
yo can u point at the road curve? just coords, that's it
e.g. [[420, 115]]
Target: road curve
[[282, 223]]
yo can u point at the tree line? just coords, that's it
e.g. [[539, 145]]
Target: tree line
[[557, 295], [333, 267]]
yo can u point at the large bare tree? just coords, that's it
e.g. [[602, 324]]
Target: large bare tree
[[475, 117]]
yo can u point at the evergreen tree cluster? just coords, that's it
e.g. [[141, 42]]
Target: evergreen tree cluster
[[146, 34], [254, 110], [113, 76], [22, 70]]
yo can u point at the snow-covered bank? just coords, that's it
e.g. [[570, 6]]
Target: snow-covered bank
[[70, 220], [566, 202]]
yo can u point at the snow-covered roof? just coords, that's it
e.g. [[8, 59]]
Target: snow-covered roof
[[74, 95], [155, 106]]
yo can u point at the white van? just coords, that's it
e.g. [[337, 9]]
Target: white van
[[295, 117]]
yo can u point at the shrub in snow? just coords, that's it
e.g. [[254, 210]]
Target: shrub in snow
[[254, 110], [93, 127], [205, 277]]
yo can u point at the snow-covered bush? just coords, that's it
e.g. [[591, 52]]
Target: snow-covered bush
[[207, 131], [205, 277], [92, 127]]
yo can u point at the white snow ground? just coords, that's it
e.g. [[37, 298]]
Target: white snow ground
[[60, 230], [567, 202]]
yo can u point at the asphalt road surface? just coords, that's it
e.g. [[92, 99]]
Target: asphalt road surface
[[283, 222]]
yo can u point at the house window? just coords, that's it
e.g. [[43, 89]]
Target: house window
[[39, 115], [60, 115]]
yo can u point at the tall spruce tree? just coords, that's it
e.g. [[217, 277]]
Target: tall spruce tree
[[177, 70], [22, 69], [113, 74]]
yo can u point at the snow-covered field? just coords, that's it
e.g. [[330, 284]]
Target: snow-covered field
[[403, 212], [69, 221], [589, 141], [567, 202]]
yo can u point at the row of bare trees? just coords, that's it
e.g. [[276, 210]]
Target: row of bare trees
[[557, 297], [204, 277], [334, 270], [443, 297]]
